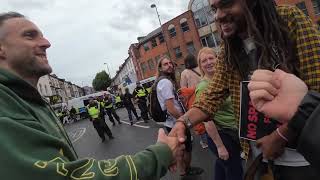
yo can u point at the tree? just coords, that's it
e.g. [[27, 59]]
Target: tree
[[102, 81]]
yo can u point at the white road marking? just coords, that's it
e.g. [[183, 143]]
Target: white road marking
[[136, 125], [79, 133]]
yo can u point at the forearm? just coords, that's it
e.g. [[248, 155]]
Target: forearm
[[306, 124], [213, 133], [196, 116], [174, 112], [307, 107], [56, 160]]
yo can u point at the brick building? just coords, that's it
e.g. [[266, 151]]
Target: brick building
[[176, 38], [310, 7], [207, 30]]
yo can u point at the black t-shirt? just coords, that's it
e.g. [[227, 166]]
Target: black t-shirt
[[126, 99]]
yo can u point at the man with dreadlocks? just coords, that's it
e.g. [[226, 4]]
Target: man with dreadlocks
[[257, 34]]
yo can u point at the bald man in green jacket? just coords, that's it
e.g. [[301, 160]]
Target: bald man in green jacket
[[34, 144]]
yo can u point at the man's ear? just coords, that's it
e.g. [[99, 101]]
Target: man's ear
[[2, 52]]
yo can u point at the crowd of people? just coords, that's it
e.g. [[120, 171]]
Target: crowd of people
[[275, 48]]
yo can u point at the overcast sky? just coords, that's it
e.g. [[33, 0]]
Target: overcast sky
[[84, 34]]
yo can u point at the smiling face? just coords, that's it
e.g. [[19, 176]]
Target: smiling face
[[23, 48], [207, 63], [229, 15]]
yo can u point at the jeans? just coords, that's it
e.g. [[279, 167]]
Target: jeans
[[131, 109], [230, 169]]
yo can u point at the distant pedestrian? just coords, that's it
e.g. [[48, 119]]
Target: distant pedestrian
[[191, 76], [73, 113], [127, 102]]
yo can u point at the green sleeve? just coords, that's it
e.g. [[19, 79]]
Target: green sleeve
[[28, 151], [201, 87]]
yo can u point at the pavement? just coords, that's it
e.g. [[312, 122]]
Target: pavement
[[130, 140]]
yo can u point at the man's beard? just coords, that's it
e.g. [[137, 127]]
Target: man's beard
[[168, 74], [240, 25]]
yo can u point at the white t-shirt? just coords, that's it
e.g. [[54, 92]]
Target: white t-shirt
[[165, 92], [290, 157]]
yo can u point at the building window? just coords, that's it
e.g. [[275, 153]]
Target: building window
[[316, 6], [200, 19], [184, 25], [146, 46], [144, 67], [302, 7], [217, 38], [153, 43], [199, 4], [178, 52], [151, 64], [172, 30], [208, 41], [161, 38], [190, 48]]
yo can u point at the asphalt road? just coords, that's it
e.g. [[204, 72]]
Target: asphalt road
[[129, 140]]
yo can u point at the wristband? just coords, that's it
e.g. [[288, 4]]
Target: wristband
[[281, 135]]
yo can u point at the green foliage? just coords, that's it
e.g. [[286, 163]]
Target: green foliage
[[102, 81]]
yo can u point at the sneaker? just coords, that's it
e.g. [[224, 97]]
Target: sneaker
[[111, 137], [119, 122], [103, 140], [131, 123], [113, 124], [203, 145]]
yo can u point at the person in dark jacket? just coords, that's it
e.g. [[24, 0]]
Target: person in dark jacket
[[126, 99], [286, 98]]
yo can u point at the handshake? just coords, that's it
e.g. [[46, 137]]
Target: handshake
[[177, 147]]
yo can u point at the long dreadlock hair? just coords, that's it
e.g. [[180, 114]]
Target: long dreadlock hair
[[271, 36]]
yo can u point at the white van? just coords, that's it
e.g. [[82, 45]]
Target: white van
[[80, 103]]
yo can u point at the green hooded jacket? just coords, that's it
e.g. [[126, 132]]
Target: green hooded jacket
[[34, 145]]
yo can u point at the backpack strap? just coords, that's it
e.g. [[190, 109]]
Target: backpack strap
[[196, 72]]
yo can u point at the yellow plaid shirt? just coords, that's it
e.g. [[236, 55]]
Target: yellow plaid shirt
[[227, 81]]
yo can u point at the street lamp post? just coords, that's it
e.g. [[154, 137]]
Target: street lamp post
[[154, 6], [165, 41], [108, 68]]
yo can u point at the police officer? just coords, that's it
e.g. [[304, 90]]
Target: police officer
[[110, 110], [140, 93], [98, 123]]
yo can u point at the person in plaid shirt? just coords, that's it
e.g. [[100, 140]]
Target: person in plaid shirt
[[257, 34]]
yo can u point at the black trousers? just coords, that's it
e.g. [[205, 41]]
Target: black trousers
[[144, 110], [294, 173], [131, 108], [101, 128], [111, 112]]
